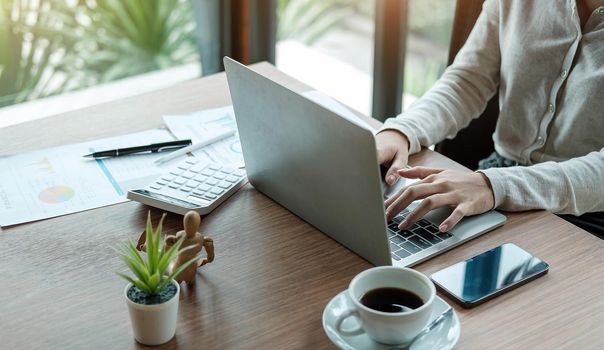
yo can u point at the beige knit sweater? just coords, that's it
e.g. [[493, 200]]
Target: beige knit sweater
[[550, 77]]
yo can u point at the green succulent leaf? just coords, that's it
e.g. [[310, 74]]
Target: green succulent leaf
[[126, 277], [139, 270], [175, 273], [150, 273], [154, 257], [153, 282], [144, 287], [168, 257], [132, 250], [150, 249]]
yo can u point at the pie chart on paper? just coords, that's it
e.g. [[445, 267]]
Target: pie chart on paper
[[56, 194]]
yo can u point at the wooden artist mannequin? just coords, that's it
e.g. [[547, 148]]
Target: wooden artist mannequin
[[191, 222]]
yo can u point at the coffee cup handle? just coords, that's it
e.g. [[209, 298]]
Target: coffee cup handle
[[349, 332]]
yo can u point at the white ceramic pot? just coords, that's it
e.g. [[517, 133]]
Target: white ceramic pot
[[153, 324]]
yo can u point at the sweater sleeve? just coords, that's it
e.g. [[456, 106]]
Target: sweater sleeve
[[463, 91], [575, 186]]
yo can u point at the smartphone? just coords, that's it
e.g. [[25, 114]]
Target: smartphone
[[489, 274]]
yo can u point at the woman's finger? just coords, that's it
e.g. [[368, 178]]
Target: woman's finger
[[429, 203], [407, 196], [398, 162], [457, 214], [419, 172], [398, 193]]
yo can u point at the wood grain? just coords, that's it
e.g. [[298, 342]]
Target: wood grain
[[273, 273]]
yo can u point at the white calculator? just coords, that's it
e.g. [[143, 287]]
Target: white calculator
[[193, 184]]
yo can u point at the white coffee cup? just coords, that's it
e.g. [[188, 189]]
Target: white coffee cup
[[388, 327]]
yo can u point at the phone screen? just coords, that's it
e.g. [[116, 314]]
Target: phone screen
[[486, 274]]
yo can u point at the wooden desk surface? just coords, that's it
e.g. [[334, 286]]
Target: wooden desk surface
[[273, 274]]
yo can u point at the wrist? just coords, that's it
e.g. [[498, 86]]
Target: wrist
[[491, 196], [398, 135]]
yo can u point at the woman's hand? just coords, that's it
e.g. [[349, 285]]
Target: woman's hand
[[393, 153], [469, 193]]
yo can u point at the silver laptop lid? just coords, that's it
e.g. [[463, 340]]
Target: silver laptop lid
[[315, 163]]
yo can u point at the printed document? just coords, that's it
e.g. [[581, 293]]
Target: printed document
[[201, 125], [58, 181]]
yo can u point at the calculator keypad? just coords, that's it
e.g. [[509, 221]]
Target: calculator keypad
[[198, 181]]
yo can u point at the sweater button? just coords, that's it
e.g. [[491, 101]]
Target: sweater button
[[550, 108]]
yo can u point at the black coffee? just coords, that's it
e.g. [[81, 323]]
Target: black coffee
[[391, 299]]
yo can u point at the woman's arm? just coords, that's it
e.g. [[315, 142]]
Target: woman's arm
[[575, 186], [463, 91]]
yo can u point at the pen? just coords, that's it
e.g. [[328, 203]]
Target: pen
[[219, 136], [153, 148]]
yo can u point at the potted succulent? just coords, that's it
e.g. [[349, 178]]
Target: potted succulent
[[152, 294]]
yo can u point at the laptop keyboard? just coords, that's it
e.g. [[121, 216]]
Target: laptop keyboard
[[421, 235]]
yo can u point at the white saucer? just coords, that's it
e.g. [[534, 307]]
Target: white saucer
[[444, 337]]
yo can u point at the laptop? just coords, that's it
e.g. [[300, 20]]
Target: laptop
[[323, 167]]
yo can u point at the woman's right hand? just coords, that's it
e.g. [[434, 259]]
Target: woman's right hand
[[393, 153]]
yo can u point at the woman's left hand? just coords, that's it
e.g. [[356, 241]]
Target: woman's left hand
[[469, 193]]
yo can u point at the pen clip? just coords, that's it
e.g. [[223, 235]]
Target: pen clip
[[165, 148]]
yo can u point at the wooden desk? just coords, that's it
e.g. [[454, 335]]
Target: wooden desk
[[273, 274]]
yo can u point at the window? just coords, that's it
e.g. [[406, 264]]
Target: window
[[328, 44], [429, 35], [342, 47], [52, 47]]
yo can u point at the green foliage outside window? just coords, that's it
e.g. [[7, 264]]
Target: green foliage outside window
[[48, 47], [30, 52], [309, 20], [123, 38], [430, 20]]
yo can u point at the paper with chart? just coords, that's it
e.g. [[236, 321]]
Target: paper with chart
[[198, 125], [58, 181]]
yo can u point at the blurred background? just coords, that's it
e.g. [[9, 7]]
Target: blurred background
[[57, 56]]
